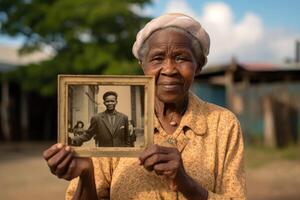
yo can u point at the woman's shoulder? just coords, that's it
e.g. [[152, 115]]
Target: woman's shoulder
[[211, 110], [219, 121]]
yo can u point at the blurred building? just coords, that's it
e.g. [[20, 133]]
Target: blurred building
[[265, 98], [23, 115]]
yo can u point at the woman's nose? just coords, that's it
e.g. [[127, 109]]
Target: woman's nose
[[169, 68]]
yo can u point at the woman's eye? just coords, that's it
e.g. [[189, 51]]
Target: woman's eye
[[179, 58], [157, 58]]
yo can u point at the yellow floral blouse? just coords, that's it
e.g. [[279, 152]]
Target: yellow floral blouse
[[210, 140]]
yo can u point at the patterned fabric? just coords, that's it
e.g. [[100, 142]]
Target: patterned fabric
[[210, 141]]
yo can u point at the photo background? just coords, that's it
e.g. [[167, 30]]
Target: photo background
[[84, 101]]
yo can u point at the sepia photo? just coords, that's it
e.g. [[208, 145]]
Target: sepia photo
[[106, 115]]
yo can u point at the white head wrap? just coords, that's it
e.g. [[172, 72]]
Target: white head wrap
[[178, 20]]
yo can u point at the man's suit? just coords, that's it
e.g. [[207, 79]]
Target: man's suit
[[106, 134]]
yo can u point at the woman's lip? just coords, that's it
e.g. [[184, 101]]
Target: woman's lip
[[170, 83], [169, 86]]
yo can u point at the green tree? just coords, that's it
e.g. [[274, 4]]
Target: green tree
[[86, 36]]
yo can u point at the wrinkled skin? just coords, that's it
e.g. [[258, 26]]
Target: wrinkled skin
[[170, 59]]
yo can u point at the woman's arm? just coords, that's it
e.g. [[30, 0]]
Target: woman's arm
[[190, 188], [86, 188]]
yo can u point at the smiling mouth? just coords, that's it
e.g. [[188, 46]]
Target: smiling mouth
[[170, 86]]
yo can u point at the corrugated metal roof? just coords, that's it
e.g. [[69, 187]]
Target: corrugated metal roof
[[270, 66], [253, 67]]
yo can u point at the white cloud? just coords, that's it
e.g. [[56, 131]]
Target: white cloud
[[142, 11], [247, 38], [179, 6]]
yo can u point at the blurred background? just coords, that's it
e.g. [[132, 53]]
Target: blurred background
[[253, 69]]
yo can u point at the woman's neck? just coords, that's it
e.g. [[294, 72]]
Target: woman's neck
[[164, 109], [170, 114]]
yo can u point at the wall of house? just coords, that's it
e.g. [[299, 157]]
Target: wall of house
[[248, 101], [212, 93], [41, 116], [285, 110]]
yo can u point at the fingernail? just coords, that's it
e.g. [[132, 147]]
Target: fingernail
[[68, 148], [59, 145]]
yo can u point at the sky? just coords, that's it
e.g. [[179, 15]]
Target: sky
[[250, 31]]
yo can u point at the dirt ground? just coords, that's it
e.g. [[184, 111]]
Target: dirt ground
[[24, 174]]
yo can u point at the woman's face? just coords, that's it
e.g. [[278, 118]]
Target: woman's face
[[171, 60]]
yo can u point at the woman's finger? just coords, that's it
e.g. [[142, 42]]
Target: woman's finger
[[165, 168], [151, 161], [63, 167], [56, 159], [169, 172], [154, 149], [48, 153], [69, 175]]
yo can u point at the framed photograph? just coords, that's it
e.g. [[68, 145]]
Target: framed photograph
[[109, 116]]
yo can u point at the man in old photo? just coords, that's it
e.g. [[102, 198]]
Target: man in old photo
[[109, 128]]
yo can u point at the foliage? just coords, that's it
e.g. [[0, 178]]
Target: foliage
[[86, 36]]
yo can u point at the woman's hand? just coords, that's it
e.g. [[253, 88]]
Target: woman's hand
[[167, 161], [164, 161], [64, 164]]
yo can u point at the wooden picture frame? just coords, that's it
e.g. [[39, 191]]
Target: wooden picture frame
[[81, 98]]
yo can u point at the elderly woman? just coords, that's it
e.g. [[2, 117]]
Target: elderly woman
[[198, 151]]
